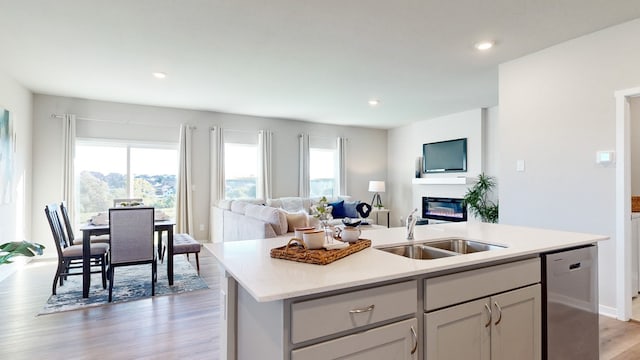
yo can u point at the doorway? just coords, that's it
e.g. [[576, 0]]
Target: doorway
[[625, 256]]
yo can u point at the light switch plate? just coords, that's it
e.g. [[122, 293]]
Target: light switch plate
[[519, 165]]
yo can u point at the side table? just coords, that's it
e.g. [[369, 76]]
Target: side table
[[377, 212]]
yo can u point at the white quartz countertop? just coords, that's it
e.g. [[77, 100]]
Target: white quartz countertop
[[269, 279]]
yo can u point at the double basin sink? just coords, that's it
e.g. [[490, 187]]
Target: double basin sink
[[437, 249]]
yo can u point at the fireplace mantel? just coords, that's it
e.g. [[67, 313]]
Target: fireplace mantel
[[452, 180]]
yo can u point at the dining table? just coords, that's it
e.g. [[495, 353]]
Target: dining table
[[89, 229]]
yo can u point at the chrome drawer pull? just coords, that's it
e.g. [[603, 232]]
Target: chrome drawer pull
[[415, 338], [500, 312], [362, 310], [490, 315]]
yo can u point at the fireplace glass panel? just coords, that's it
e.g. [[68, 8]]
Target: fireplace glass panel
[[446, 209]]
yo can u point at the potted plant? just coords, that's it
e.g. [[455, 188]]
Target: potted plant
[[18, 248], [478, 202]]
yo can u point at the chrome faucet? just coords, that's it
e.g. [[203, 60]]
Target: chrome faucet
[[412, 219]]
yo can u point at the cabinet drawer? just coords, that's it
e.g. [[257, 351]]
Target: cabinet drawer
[[467, 285], [332, 314], [394, 341]]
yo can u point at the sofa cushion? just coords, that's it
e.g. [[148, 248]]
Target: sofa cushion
[[276, 203], [225, 204], [338, 209], [239, 207], [292, 204], [350, 209], [270, 215], [296, 220]]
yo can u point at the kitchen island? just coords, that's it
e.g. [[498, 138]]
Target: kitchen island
[[281, 309]]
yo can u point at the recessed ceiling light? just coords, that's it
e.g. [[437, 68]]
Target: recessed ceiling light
[[374, 102], [159, 75], [484, 45]]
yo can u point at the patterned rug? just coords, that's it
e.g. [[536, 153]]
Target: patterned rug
[[131, 283]]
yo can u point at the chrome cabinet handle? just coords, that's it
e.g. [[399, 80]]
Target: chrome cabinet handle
[[490, 315], [415, 339], [499, 313], [362, 310]]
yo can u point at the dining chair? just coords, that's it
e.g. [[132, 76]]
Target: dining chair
[[131, 230], [70, 256], [71, 237]]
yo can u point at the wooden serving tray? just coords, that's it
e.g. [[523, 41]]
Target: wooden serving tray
[[295, 250]]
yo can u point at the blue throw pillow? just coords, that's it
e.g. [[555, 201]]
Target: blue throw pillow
[[350, 209], [338, 209]]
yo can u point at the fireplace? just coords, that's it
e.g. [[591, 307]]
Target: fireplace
[[445, 209]]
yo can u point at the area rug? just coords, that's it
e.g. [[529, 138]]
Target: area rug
[[131, 283]]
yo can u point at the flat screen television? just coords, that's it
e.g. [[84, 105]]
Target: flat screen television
[[445, 156]]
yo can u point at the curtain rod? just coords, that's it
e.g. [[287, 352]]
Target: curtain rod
[[60, 116]]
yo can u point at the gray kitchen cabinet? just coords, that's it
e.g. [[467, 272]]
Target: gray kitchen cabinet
[[499, 327], [397, 341]]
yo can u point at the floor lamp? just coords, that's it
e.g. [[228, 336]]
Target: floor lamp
[[376, 187]]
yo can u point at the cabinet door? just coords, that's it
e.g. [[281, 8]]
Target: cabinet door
[[397, 341], [459, 332], [516, 329]]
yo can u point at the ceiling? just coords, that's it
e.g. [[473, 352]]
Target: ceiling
[[318, 61]]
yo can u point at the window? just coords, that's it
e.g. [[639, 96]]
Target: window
[[110, 170], [323, 167], [240, 164]]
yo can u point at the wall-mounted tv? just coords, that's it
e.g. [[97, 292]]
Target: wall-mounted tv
[[445, 156]]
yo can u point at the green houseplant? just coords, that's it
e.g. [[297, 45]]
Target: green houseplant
[[477, 199], [19, 248]]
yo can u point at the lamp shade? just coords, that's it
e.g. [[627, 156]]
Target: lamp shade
[[376, 186]]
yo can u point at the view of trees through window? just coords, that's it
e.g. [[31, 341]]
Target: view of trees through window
[[240, 170], [102, 175], [322, 172]]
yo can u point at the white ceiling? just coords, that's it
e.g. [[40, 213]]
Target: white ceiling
[[316, 61]]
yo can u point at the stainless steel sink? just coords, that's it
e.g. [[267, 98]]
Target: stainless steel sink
[[440, 248], [462, 246], [418, 252]]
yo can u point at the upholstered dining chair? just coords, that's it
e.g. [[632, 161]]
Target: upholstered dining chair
[[131, 230], [69, 227], [70, 256]]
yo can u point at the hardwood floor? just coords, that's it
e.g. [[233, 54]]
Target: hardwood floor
[[164, 327], [182, 326]]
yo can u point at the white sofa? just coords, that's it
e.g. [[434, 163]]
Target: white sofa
[[233, 220]]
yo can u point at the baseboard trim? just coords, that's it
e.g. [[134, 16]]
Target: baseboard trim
[[608, 311]]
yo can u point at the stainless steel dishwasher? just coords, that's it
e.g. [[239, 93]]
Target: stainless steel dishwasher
[[570, 304]]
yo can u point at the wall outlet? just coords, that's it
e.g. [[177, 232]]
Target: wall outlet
[[519, 165], [201, 227]]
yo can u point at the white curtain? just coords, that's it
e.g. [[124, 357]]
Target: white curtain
[[217, 165], [342, 161], [69, 153], [303, 178], [264, 167], [184, 216]]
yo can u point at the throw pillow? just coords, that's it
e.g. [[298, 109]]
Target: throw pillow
[[363, 209], [338, 209], [350, 209], [296, 220]]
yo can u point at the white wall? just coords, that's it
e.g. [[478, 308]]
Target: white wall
[[405, 145], [557, 109], [366, 158], [15, 219]]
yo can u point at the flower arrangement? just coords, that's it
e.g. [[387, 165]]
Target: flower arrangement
[[322, 211]]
